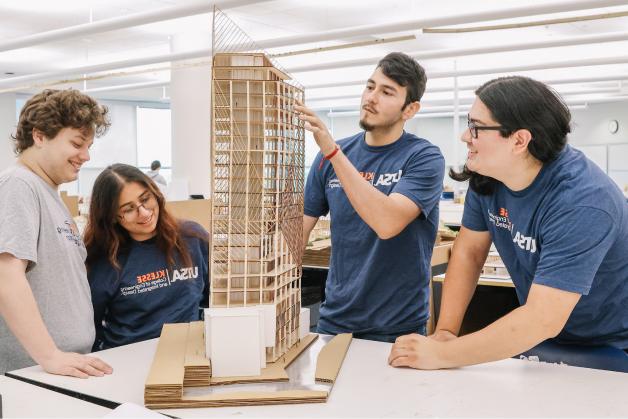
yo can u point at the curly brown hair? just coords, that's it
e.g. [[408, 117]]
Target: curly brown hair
[[52, 110]]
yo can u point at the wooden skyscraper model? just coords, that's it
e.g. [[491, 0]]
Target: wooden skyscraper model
[[257, 189]]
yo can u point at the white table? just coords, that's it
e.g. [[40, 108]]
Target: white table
[[368, 387], [22, 400]]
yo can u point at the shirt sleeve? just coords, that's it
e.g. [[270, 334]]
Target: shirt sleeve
[[422, 180], [573, 247], [315, 202], [473, 217], [19, 212]]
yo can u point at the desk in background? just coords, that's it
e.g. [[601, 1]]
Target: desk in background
[[493, 298], [368, 387]]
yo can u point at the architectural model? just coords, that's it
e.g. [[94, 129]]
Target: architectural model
[[257, 203]]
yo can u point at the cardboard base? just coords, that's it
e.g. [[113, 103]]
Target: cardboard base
[[178, 360]]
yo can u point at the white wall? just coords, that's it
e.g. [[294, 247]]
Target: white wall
[[118, 145], [7, 127], [590, 133]]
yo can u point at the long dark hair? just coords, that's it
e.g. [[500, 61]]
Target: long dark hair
[[104, 236], [515, 103]]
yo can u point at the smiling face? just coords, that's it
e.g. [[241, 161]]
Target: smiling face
[[489, 154], [138, 211], [60, 158], [382, 105]]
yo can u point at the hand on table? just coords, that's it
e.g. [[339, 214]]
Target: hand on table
[[416, 351], [75, 365]]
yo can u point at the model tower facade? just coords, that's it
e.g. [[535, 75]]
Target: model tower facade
[[257, 192]]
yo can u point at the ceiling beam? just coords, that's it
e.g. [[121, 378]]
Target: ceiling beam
[[121, 22], [467, 101], [131, 86], [461, 52], [21, 81], [615, 89], [415, 25], [495, 70]]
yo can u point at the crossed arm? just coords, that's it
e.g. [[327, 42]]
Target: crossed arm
[[543, 316], [19, 310]]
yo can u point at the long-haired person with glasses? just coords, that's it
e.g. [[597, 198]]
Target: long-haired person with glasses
[[145, 267], [560, 225]]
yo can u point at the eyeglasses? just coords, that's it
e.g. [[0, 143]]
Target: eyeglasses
[[473, 129], [132, 211]]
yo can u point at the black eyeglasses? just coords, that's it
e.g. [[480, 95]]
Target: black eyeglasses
[[473, 129]]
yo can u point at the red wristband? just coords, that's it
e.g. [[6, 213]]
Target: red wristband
[[328, 157]]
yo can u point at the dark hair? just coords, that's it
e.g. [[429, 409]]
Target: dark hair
[[515, 103], [156, 164], [104, 236], [406, 72], [52, 110]]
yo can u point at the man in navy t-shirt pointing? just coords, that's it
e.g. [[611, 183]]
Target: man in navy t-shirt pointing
[[381, 188], [559, 223]]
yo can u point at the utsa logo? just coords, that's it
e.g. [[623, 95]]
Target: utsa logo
[[503, 212], [525, 243], [184, 273]]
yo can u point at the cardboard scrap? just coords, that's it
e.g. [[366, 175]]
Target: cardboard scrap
[[165, 379], [197, 366], [331, 356]]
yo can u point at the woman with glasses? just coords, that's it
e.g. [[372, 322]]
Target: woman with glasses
[[145, 268], [560, 225]]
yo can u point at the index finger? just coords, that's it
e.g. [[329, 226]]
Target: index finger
[[304, 110]]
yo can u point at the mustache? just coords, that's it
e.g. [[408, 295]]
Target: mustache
[[368, 108]]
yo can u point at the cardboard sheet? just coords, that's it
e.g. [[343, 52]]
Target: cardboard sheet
[[331, 357], [197, 367]]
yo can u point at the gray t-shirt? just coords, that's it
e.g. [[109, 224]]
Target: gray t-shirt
[[36, 226]]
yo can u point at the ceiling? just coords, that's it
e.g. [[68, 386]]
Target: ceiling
[[595, 70]]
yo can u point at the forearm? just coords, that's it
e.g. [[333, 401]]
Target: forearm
[[374, 207], [510, 335], [308, 225], [21, 314], [458, 288]]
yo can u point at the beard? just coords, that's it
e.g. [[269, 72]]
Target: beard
[[366, 126], [381, 127]]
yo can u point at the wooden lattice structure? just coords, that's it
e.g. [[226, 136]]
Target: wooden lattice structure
[[257, 190]]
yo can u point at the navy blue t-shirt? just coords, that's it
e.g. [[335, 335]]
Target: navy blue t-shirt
[[567, 230], [378, 286], [136, 301]]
